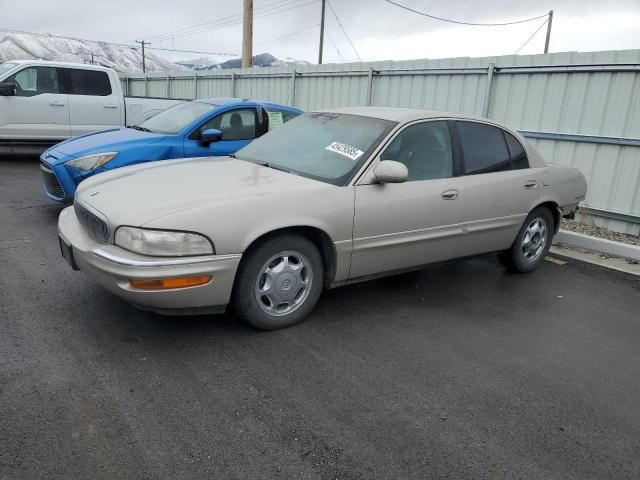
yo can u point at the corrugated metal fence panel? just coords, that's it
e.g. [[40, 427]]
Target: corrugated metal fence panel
[[271, 89], [214, 87], [602, 103], [460, 93], [599, 103]]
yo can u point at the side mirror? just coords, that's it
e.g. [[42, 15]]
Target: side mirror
[[7, 89], [390, 171], [211, 135]]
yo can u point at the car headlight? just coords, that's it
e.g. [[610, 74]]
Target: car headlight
[[162, 243], [92, 161]]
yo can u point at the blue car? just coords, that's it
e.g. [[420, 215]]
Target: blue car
[[199, 128]]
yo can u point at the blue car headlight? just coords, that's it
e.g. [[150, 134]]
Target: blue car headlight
[[91, 162]]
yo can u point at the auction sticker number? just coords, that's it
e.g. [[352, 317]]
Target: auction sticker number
[[343, 149]]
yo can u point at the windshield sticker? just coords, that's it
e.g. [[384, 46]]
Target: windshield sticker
[[343, 149]]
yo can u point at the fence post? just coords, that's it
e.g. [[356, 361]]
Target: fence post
[[369, 86], [195, 86], [146, 90], [233, 84], [128, 85], [292, 88], [168, 86], [487, 90]]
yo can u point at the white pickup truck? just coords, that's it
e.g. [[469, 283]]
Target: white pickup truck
[[42, 103]]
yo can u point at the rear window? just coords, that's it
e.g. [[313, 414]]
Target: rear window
[[519, 158], [88, 82], [279, 117]]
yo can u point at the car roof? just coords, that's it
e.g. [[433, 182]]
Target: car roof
[[222, 101], [399, 114], [54, 63]]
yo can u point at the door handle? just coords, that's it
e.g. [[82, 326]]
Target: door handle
[[450, 194], [56, 103], [531, 184], [110, 105]]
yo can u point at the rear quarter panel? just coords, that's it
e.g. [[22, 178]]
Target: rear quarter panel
[[565, 186]]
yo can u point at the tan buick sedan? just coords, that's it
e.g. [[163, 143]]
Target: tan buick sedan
[[329, 198]]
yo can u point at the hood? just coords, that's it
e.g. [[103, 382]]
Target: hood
[[115, 140], [138, 194]]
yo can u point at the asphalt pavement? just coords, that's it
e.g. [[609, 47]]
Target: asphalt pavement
[[459, 371]]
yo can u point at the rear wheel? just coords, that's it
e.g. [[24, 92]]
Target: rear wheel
[[531, 244], [279, 282]]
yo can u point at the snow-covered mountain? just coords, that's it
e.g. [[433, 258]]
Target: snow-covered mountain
[[261, 60], [26, 46]]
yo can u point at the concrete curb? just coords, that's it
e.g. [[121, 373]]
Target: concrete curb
[[595, 244]]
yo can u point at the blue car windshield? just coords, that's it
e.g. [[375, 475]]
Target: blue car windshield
[[174, 119], [329, 147]]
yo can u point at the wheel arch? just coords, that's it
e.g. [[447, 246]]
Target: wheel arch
[[317, 236], [554, 208]]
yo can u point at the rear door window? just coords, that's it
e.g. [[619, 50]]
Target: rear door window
[[88, 82], [484, 148], [278, 118]]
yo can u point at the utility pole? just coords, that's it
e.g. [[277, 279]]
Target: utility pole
[[549, 22], [324, 2], [92, 62], [247, 35], [143, 43]]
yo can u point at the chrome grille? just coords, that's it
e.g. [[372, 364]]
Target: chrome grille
[[51, 182], [94, 225]]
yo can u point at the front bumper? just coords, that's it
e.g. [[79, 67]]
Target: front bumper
[[113, 268], [58, 184]]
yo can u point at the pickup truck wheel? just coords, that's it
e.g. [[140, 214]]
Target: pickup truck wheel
[[279, 283], [532, 243]]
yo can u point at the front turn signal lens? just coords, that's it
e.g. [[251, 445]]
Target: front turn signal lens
[[169, 283]]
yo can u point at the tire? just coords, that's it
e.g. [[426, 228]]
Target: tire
[[279, 282], [532, 243]]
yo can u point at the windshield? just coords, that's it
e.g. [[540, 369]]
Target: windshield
[[325, 146], [174, 119], [5, 67]]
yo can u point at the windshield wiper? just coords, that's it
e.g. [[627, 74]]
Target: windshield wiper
[[275, 167], [264, 164], [138, 127]]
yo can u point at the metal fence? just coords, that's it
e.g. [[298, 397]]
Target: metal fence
[[578, 109]]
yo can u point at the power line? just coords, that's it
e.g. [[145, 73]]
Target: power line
[[344, 31], [335, 46], [461, 22], [533, 35], [288, 35], [233, 19], [180, 30], [205, 25]]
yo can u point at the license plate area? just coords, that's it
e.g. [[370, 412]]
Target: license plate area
[[67, 253]]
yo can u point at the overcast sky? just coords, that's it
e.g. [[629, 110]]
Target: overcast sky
[[379, 31]]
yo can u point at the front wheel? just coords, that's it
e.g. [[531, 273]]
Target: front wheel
[[532, 243], [279, 282]]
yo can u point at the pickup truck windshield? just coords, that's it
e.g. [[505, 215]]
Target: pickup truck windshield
[[5, 67], [329, 147], [174, 119]]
